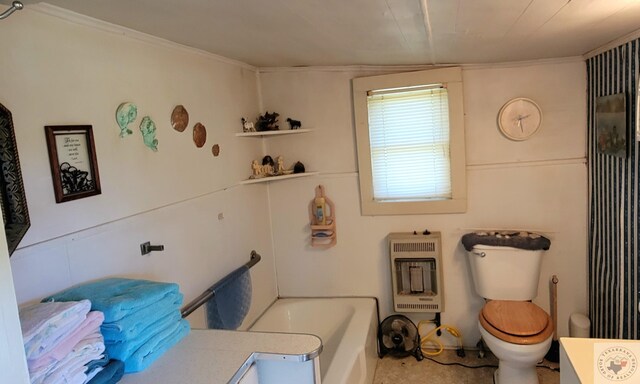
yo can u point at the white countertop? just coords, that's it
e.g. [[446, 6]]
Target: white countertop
[[580, 358], [211, 356]]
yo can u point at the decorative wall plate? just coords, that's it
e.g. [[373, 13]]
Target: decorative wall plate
[[126, 114], [148, 129], [215, 150], [199, 135], [179, 118]]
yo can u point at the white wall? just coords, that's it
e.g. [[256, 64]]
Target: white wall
[[538, 184], [59, 69]]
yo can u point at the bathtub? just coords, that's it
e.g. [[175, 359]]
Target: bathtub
[[346, 326]]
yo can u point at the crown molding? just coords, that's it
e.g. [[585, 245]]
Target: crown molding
[[613, 44], [90, 22]]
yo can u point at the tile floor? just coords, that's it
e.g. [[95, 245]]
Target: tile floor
[[408, 370]]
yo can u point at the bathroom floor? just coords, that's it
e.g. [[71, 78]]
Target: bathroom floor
[[408, 370]]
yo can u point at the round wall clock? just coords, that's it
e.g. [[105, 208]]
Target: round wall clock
[[520, 118]]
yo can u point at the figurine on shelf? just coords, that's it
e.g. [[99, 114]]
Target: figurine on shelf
[[267, 122], [294, 124], [280, 167], [256, 170], [247, 126], [298, 167]]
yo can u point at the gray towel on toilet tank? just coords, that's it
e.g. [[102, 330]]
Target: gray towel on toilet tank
[[515, 239], [231, 300]]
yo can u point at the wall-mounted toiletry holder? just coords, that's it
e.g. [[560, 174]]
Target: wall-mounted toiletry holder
[[322, 215]]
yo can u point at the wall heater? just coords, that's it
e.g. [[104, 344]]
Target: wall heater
[[416, 272]]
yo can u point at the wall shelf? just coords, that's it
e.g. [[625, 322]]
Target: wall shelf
[[272, 133], [276, 178]]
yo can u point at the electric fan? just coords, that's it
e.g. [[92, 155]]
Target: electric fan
[[398, 336]]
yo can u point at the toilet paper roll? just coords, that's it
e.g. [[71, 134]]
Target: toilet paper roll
[[579, 325]]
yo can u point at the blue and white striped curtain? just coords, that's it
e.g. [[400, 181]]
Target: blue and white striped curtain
[[613, 199]]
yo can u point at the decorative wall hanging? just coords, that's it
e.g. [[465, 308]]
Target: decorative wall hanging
[[126, 114], [179, 118], [12, 197], [199, 135], [215, 150], [611, 128], [74, 166], [148, 129]]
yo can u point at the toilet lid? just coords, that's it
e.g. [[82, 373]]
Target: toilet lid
[[518, 318]]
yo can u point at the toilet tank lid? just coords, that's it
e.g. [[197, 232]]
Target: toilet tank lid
[[516, 239]]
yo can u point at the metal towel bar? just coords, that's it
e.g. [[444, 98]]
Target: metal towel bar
[[209, 293]]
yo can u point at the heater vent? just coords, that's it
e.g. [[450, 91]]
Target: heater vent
[[428, 246], [424, 307], [416, 272]]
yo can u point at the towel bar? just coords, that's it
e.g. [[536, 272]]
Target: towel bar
[[209, 293]]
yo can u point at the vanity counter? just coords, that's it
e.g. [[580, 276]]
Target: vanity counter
[[218, 356]]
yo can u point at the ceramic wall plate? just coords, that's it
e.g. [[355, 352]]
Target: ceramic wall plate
[[179, 118], [126, 114], [148, 130], [199, 135]]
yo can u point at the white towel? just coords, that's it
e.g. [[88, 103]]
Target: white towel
[[45, 324], [71, 369]]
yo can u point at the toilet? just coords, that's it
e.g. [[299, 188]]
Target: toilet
[[505, 267]]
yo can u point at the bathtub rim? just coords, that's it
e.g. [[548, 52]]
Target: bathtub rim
[[374, 298]]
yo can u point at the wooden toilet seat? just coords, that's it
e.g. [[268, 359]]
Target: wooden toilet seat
[[516, 322]]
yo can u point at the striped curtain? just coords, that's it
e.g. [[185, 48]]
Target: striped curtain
[[613, 202]]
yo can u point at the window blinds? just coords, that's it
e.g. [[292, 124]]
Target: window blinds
[[409, 139]]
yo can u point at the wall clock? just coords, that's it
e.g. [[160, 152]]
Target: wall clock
[[519, 118]]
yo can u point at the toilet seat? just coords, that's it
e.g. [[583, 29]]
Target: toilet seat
[[516, 322]]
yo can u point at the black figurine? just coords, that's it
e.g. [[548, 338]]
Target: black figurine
[[298, 167], [268, 160], [267, 122], [294, 124]]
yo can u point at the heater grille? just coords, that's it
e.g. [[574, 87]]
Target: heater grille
[[428, 246], [424, 307], [416, 272]]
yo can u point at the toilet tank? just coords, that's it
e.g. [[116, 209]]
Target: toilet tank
[[505, 273]]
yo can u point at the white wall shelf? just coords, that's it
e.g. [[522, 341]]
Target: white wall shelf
[[276, 178], [272, 133]]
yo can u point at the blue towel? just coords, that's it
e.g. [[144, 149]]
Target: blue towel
[[110, 374], [123, 349], [156, 347], [231, 301], [133, 324], [117, 297]]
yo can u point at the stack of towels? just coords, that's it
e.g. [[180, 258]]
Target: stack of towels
[[141, 318], [61, 340]]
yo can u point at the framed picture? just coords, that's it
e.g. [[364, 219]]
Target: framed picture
[[611, 124], [72, 155]]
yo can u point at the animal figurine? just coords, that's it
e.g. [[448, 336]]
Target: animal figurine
[[267, 122], [298, 167], [247, 126], [294, 124]]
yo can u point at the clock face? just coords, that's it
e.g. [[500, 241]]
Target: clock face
[[519, 118]]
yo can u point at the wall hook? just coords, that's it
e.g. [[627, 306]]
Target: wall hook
[[148, 248], [15, 6]]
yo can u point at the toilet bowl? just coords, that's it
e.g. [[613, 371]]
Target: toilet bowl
[[519, 333]]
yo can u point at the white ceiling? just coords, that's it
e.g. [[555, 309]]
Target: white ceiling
[[268, 33]]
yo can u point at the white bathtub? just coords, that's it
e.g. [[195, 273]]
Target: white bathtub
[[346, 326]]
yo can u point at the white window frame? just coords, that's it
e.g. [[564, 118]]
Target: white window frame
[[452, 79]]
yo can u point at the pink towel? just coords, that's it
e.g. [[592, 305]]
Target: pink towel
[[92, 323]]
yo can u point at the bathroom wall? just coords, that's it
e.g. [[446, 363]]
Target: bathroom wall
[[538, 184], [68, 69], [613, 202]]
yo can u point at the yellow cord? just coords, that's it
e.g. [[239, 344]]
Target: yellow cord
[[429, 338]]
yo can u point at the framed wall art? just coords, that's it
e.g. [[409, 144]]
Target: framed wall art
[[611, 124], [74, 167]]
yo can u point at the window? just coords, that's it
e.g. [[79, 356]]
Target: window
[[410, 134]]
